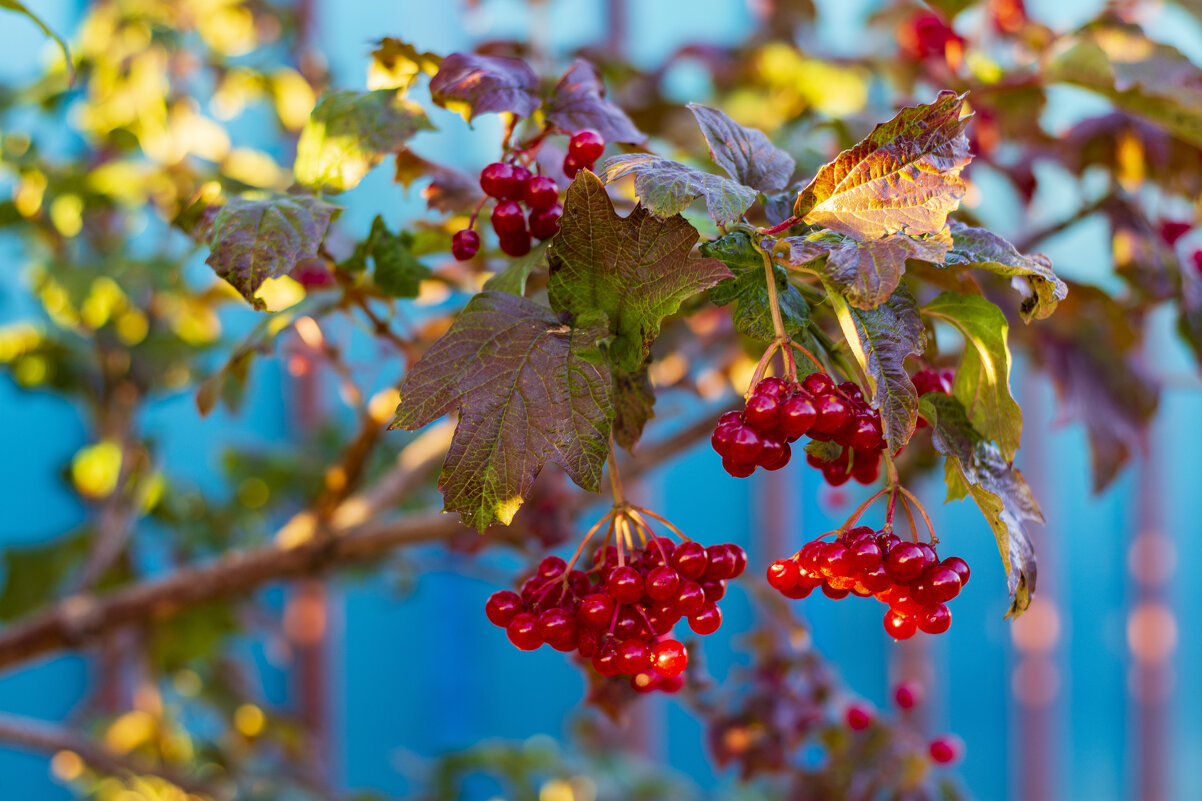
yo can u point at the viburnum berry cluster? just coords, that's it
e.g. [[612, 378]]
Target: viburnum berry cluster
[[619, 615], [513, 185], [779, 412]]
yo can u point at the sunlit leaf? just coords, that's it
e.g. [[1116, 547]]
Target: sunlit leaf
[[636, 269], [667, 187], [578, 101], [980, 249], [746, 154], [396, 64], [475, 84], [528, 389]]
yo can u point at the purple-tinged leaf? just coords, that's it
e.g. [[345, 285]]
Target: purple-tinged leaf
[[253, 240], [976, 467], [529, 389], [473, 84], [578, 101], [448, 190], [634, 405], [905, 176], [746, 154], [667, 187], [980, 249], [636, 269]]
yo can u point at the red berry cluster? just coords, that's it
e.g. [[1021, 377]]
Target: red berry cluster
[[620, 616], [779, 412], [927, 381], [907, 576], [584, 148]]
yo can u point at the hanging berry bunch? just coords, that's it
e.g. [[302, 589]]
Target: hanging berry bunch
[[512, 185], [906, 575], [619, 614]]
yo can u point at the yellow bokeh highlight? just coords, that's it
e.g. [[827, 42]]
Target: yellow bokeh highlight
[[249, 720], [28, 193], [253, 493], [96, 468], [18, 339], [131, 730], [66, 766], [66, 212], [294, 98], [255, 168]]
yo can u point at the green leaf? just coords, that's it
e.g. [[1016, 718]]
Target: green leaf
[[397, 270], [473, 84], [905, 176], [636, 269], [667, 187], [513, 278], [20, 8], [578, 101], [528, 389], [748, 290], [350, 132], [1116, 60], [982, 382], [746, 154], [880, 339], [634, 405], [253, 240], [976, 466], [980, 249], [866, 273], [33, 573]]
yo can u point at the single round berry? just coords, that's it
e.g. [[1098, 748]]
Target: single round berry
[[745, 445], [783, 574], [908, 695], [465, 244], [690, 599], [502, 607], [858, 717], [515, 244], [865, 554], [866, 434], [544, 223], [557, 628], [588, 642], [523, 632], [875, 580], [866, 467], [596, 610], [690, 560], [960, 566], [818, 384], [938, 584], [571, 166], [629, 623], [662, 583], [737, 469], [798, 592], [834, 593], [944, 750], [541, 192], [763, 412], [851, 390], [905, 561], [772, 387], [662, 616], [722, 562], [899, 626], [516, 189], [928, 554], [935, 619], [797, 415], [625, 585], [507, 218], [832, 413], [740, 556], [497, 179], [901, 600], [606, 660], [835, 561], [552, 567], [634, 655], [714, 589], [774, 454], [707, 620], [669, 658], [586, 146]]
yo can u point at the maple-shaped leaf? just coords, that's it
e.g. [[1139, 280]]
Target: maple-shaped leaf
[[868, 272], [578, 101], [980, 249], [634, 405], [473, 84], [667, 187], [976, 467], [881, 339], [348, 133], [448, 189], [982, 382], [905, 176], [529, 389], [1119, 61], [396, 64], [636, 269], [747, 155], [748, 290], [253, 240]]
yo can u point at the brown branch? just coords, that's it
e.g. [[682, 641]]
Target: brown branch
[[37, 735]]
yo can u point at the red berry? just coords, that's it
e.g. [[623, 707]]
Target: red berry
[[858, 717], [507, 218], [465, 244], [905, 561], [835, 561], [544, 223], [875, 580], [851, 390], [552, 567], [707, 620], [523, 632], [866, 466], [596, 610], [690, 599], [866, 434], [541, 192], [634, 655], [557, 628], [662, 616], [944, 750], [497, 179], [762, 412], [937, 585], [935, 619], [515, 244], [901, 600], [730, 418], [774, 454], [798, 592], [737, 469], [586, 146], [833, 593], [502, 607], [783, 574], [722, 562], [690, 560], [899, 626], [714, 589], [740, 556], [772, 387], [606, 660], [669, 658], [571, 167], [588, 642], [662, 583], [832, 413], [960, 566], [818, 384], [625, 585], [516, 189], [908, 695], [745, 445], [797, 415]]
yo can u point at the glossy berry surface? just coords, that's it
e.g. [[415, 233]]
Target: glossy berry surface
[[669, 658], [586, 146], [541, 192], [507, 218], [465, 244], [497, 180], [515, 244], [544, 223]]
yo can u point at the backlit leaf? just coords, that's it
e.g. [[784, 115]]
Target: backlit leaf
[[667, 187], [746, 154], [980, 249], [513, 278], [748, 290], [905, 176], [396, 64], [634, 405], [636, 269], [529, 389], [473, 84], [253, 240], [578, 101]]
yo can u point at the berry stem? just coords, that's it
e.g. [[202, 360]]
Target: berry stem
[[615, 479], [471, 223], [778, 324], [861, 509], [780, 227], [762, 367], [661, 519], [584, 542], [892, 507], [910, 517], [808, 355], [922, 511]]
